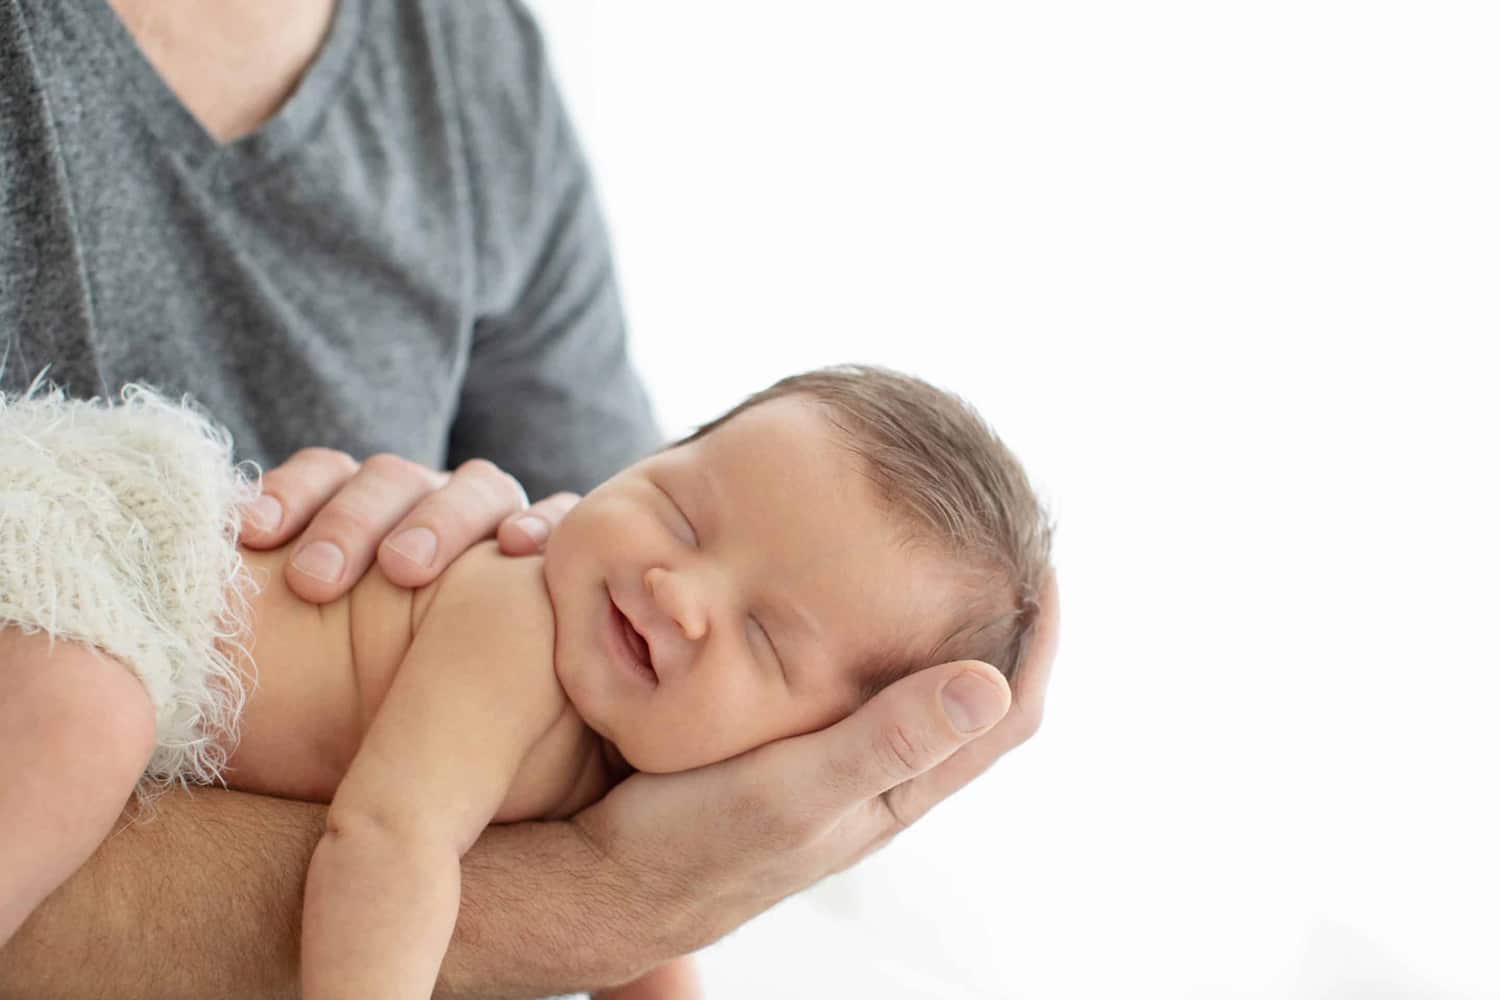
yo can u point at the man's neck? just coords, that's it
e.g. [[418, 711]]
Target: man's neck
[[232, 63]]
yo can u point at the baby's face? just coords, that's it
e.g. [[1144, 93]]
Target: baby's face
[[733, 591]]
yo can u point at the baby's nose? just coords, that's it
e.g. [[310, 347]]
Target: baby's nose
[[674, 596]]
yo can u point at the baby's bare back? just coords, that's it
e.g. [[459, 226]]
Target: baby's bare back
[[323, 671]]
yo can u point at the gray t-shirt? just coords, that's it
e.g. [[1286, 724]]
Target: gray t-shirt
[[407, 257]]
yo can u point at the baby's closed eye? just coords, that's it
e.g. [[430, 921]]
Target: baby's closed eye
[[684, 524], [756, 628]]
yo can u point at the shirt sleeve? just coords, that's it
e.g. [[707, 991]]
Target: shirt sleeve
[[550, 393]]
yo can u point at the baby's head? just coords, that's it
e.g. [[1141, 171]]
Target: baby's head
[[771, 572]]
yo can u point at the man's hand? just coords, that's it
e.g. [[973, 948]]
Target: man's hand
[[691, 856], [415, 520]]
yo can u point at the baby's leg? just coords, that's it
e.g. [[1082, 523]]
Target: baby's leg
[[117, 529], [76, 731]]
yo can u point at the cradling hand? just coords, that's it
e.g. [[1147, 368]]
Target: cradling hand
[[685, 858], [413, 519]]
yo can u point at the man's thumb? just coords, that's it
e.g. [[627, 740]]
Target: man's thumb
[[907, 729], [975, 699]]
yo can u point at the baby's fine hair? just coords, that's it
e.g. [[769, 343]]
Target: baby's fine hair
[[940, 468]]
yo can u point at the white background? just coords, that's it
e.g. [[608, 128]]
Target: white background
[[1227, 278]]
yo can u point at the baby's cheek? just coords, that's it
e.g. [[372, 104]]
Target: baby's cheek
[[737, 721]]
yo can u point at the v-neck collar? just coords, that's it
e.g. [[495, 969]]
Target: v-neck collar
[[184, 135]]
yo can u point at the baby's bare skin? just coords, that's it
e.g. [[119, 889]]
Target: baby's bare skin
[[709, 599], [322, 672]]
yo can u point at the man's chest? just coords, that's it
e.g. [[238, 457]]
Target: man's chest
[[309, 285]]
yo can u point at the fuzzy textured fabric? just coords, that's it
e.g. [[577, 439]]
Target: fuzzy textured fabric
[[118, 528]]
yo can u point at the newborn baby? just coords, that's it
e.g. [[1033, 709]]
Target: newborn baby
[[758, 580]]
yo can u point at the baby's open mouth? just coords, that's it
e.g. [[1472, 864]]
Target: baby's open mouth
[[637, 644]]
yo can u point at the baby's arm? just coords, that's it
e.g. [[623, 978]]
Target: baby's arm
[[467, 703]]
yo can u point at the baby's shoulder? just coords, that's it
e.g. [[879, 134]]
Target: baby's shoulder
[[483, 578], [495, 607]]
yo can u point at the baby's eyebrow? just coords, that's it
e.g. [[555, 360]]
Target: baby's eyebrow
[[710, 494]]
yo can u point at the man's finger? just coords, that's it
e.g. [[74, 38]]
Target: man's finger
[[1029, 686], [292, 493], [467, 509], [526, 532], [907, 729], [339, 544]]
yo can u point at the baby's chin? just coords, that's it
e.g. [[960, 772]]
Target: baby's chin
[[658, 756]]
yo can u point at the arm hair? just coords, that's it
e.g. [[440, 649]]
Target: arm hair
[[205, 900]]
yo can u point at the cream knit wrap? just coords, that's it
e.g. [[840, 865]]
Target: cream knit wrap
[[118, 526]]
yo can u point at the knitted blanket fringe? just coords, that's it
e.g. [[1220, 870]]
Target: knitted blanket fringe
[[118, 528]]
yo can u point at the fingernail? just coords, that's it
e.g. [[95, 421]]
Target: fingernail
[[972, 702], [322, 560], [535, 527], [417, 544], [264, 512]]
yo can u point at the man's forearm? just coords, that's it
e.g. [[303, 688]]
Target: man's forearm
[[205, 900], [202, 900]]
